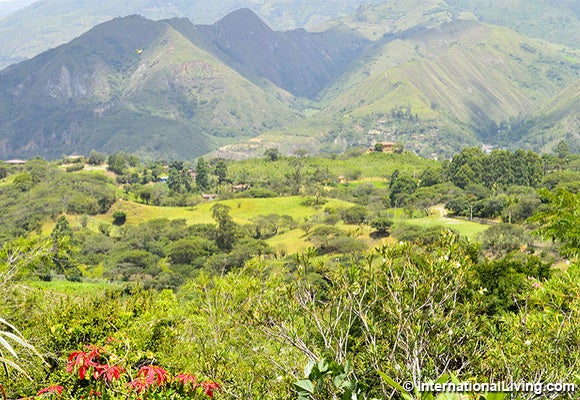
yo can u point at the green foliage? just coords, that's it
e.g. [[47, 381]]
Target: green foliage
[[202, 175], [259, 193], [119, 217], [354, 215], [96, 158], [382, 225], [401, 190], [191, 251], [559, 221], [23, 182], [226, 234], [500, 168], [272, 154], [118, 163], [504, 238], [326, 379], [430, 177], [179, 180], [11, 338], [504, 283], [330, 239], [221, 171]]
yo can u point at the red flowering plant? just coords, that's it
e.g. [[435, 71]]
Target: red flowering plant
[[155, 382], [96, 377]]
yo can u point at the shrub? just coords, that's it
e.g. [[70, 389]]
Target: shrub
[[258, 193], [119, 217]]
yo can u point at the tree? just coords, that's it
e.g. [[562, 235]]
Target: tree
[[396, 173], [301, 152], [430, 177], [559, 221], [402, 188], [562, 150], [96, 158], [119, 218], [354, 215], [226, 229], [63, 249], [382, 225], [117, 163], [466, 167], [145, 194], [504, 238], [221, 171], [464, 176], [23, 182], [61, 229], [202, 175], [179, 180], [191, 251], [272, 154]]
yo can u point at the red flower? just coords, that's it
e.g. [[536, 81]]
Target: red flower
[[79, 359], [184, 379], [154, 373], [94, 351], [149, 375], [84, 360], [108, 372], [139, 384], [209, 387], [51, 389]]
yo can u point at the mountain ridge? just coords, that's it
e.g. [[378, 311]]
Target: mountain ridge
[[178, 90], [71, 95]]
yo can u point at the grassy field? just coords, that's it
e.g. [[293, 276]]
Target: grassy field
[[465, 228], [68, 288], [244, 210]]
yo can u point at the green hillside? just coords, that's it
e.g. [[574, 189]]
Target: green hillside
[[436, 90], [554, 21], [136, 85], [559, 120]]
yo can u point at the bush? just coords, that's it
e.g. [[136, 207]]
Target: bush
[[382, 225], [354, 215], [75, 167], [119, 217], [258, 193]]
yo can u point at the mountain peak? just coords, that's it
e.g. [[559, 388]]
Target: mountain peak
[[243, 19]]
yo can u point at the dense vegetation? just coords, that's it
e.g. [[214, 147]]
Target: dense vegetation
[[157, 289]]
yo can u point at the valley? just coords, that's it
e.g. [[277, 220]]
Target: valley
[[276, 199]]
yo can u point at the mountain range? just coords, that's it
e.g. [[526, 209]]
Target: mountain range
[[169, 88], [423, 73], [45, 24]]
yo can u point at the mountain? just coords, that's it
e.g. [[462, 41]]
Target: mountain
[[168, 88], [433, 79], [136, 85], [559, 120], [416, 72], [298, 61], [553, 21], [50, 23]]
